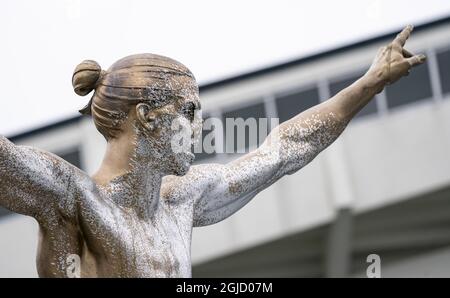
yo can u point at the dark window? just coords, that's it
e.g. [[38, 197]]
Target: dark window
[[252, 115], [292, 104], [4, 211], [72, 156], [338, 85], [202, 153], [443, 59], [412, 88]]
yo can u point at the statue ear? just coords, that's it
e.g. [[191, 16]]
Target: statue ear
[[146, 116]]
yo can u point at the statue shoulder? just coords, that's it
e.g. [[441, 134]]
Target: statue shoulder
[[41, 184], [63, 169], [192, 185], [70, 183]]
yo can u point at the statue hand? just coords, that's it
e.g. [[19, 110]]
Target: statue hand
[[393, 61]]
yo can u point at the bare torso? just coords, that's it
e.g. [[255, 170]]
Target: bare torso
[[113, 241]]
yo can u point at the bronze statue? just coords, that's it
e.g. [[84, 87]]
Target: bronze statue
[[134, 216]]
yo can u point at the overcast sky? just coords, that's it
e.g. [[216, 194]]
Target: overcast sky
[[42, 41]]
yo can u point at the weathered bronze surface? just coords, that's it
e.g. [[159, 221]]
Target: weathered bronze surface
[[134, 216]]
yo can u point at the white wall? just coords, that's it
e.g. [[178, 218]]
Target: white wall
[[18, 244], [434, 264]]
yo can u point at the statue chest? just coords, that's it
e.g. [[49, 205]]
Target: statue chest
[[120, 243]]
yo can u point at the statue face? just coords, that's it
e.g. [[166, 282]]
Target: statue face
[[185, 130], [171, 131]]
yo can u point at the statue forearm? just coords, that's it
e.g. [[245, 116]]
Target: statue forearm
[[310, 132], [348, 102], [9, 182], [4, 144], [13, 179], [302, 138], [6, 150]]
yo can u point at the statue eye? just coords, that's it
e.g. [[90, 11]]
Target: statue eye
[[188, 110]]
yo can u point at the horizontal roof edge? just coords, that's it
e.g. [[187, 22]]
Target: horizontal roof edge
[[304, 59]]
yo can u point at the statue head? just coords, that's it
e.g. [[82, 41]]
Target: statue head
[[146, 99]]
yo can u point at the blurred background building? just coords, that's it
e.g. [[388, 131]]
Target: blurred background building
[[383, 188]]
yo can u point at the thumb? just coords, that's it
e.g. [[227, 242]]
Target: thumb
[[416, 60]]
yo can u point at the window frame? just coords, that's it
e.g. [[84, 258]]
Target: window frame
[[291, 91], [438, 50]]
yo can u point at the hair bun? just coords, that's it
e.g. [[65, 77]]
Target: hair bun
[[85, 77]]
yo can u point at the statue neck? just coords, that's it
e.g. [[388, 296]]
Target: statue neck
[[131, 181]]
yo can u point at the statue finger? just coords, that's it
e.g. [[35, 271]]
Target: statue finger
[[416, 60], [401, 38]]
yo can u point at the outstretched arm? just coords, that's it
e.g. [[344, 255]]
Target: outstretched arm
[[34, 182], [226, 188]]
